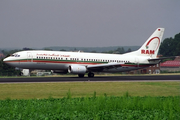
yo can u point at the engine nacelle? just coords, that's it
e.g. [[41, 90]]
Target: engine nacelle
[[77, 69]]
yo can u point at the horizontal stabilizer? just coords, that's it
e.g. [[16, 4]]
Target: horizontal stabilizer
[[161, 58]]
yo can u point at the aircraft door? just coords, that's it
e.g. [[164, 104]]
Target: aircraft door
[[78, 58], [29, 57]]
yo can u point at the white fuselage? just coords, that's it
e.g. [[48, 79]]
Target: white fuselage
[[58, 60]]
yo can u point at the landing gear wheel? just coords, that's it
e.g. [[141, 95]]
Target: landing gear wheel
[[90, 74], [81, 75], [20, 74]]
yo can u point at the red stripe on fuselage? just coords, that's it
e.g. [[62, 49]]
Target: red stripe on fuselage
[[45, 61], [85, 63]]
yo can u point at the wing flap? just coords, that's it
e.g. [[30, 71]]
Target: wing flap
[[100, 67]]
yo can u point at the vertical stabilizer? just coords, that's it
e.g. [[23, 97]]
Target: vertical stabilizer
[[151, 46]]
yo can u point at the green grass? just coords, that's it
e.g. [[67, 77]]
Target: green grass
[[94, 108], [83, 89]]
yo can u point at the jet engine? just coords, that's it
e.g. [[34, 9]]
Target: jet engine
[[77, 69]]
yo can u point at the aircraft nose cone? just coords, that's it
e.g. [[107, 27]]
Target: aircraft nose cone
[[8, 61], [5, 60]]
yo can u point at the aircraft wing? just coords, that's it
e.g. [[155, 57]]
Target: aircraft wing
[[103, 66]]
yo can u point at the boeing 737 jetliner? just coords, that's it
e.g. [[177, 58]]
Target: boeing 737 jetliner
[[81, 63]]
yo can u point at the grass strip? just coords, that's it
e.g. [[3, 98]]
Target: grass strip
[[85, 89]]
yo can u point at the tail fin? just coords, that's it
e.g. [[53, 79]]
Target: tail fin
[[151, 46]]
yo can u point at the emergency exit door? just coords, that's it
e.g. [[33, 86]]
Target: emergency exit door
[[29, 57]]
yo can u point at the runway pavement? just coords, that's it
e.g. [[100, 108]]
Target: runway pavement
[[102, 78]]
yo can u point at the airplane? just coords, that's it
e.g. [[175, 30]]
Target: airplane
[[81, 63]]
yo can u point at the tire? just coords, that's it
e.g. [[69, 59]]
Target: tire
[[90, 74]]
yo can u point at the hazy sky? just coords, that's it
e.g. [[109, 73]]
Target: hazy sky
[[85, 23]]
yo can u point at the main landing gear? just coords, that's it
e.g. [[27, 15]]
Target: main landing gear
[[81, 75], [90, 74]]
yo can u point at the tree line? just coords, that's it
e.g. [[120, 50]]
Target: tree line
[[170, 46]]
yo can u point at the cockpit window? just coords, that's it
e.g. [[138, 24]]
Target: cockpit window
[[15, 55]]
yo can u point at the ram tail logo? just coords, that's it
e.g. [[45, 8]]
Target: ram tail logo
[[151, 46], [147, 51]]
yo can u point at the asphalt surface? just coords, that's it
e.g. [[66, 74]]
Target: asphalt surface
[[103, 78]]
